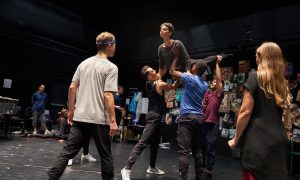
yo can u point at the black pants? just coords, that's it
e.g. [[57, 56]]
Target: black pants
[[149, 136], [86, 145], [118, 115], [81, 132], [189, 139], [210, 134]]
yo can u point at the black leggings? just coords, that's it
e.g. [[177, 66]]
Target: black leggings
[[149, 136]]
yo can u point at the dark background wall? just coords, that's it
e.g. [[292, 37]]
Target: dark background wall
[[44, 41], [238, 35]]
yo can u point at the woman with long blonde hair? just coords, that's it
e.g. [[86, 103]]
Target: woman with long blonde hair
[[259, 127]]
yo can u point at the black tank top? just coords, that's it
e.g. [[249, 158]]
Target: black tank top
[[156, 102]]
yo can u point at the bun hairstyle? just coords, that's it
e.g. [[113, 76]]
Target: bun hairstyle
[[170, 27]]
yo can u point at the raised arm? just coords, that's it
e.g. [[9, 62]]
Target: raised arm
[[219, 85]]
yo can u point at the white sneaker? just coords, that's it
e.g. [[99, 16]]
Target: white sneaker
[[47, 133], [34, 132], [70, 162], [88, 158], [125, 174], [155, 171]]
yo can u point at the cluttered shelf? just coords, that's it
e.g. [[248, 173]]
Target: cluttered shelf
[[8, 108]]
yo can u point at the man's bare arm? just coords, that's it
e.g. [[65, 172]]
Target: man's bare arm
[[110, 109], [72, 98]]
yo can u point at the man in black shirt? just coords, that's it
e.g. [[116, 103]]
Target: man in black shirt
[[155, 90]]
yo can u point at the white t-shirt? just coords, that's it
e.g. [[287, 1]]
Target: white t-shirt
[[95, 76]]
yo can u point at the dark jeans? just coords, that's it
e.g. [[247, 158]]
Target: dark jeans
[[149, 136], [79, 133], [189, 139], [210, 134]]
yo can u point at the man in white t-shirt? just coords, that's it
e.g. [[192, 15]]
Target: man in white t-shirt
[[92, 88]]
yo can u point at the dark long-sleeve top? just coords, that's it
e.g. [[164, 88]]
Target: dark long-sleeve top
[[166, 57]]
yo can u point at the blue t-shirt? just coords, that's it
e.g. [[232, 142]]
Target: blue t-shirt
[[38, 101], [194, 89], [119, 100]]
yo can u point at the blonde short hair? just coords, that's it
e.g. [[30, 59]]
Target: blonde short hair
[[104, 39]]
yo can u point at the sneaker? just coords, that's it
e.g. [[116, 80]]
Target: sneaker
[[70, 162], [155, 171], [47, 133], [88, 158], [34, 132], [125, 174]]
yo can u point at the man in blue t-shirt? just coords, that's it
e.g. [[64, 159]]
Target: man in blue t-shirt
[[191, 116], [38, 100]]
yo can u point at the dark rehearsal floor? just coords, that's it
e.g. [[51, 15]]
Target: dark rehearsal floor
[[29, 158]]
